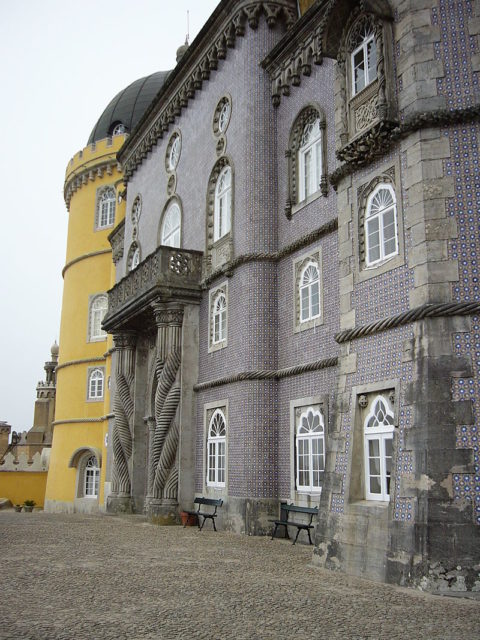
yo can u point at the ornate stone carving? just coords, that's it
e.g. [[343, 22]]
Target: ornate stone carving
[[163, 454], [166, 268], [248, 12], [122, 436]]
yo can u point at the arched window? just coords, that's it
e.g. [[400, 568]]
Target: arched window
[[378, 449], [219, 320], [364, 59], [173, 152], [223, 204], [381, 225], [310, 160], [171, 226], [133, 259], [98, 310], [310, 449], [95, 384], [91, 478], [106, 208], [216, 449], [309, 292]]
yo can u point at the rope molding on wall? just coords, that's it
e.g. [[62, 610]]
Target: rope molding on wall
[[435, 310], [81, 420], [81, 361], [274, 256], [85, 256], [268, 375]]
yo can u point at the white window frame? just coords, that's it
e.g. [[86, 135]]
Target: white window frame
[[369, 70], [106, 208], [91, 478], [219, 319], [98, 310], [223, 204], [96, 384], [379, 218], [380, 433], [311, 152], [305, 442], [308, 288], [171, 237], [216, 451]]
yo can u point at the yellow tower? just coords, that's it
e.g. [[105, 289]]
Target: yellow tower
[[92, 185], [93, 195]]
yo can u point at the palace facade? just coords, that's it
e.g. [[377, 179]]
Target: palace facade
[[271, 289]]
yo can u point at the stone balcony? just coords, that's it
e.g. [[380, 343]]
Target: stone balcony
[[167, 275]]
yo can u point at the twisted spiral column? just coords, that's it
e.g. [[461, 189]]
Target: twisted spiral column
[[122, 436], [163, 456]]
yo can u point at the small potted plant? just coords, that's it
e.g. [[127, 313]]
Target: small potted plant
[[18, 507], [28, 505]]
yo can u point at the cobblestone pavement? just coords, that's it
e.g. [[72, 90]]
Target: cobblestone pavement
[[100, 577]]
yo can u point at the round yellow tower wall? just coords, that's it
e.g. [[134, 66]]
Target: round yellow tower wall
[[81, 422]]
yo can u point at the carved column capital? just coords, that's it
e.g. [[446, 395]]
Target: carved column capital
[[125, 339], [170, 314]]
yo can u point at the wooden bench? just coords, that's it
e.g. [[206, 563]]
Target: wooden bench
[[305, 526], [208, 502]]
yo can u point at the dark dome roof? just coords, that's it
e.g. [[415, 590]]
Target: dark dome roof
[[128, 106]]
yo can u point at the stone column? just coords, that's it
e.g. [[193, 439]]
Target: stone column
[[163, 454], [122, 435], [150, 423]]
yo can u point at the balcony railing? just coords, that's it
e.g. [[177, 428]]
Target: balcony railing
[[167, 270]]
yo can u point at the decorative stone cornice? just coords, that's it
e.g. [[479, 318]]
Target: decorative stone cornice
[[227, 23], [71, 363], [434, 310], [305, 45], [85, 256], [117, 241], [268, 375], [379, 139], [89, 174], [274, 256]]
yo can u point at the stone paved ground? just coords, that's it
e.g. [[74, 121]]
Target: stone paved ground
[[100, 577]]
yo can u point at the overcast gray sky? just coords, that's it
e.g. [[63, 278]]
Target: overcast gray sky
[[61, 63]]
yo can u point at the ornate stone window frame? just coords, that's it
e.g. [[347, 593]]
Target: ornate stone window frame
[[101, 195], [136, 210], [134, 256], [303, 495], [389, 176], [307, 115], [214, 488], [213, 296], [94, 302], [299, 267], [221, 120], [363, 400], [94, 397], [218, 252], [360, 110], [222, 115], [173, 152], [173, 202]]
